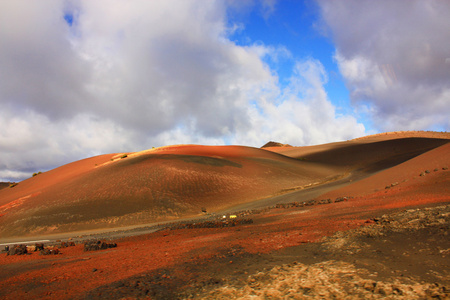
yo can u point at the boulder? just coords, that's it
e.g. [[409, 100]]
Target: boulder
[[98, 245], [18, 250]]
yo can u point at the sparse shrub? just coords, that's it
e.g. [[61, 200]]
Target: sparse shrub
[[13, 184], [35, 174], [124, 156], [302, 158]]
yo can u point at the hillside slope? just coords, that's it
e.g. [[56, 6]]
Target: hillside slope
[[173, 182], [149, 186]]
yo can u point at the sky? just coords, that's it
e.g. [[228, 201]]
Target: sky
[[83, 78]]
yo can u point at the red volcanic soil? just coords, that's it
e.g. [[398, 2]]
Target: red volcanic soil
[[149, 186], [429, 170], [4, 185], [173, 182], [227, 262]]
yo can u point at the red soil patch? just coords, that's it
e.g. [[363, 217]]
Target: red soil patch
[[72, 273], [406, 177]]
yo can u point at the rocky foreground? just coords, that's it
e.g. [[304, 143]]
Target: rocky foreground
[[403, 255], [400, 256]]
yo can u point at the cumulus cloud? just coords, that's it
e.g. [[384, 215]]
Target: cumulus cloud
[[393, 56], [90, 77], [301, 114]]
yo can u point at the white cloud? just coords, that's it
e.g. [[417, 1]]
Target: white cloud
[[128, 77], [301, 114], [392, 55]]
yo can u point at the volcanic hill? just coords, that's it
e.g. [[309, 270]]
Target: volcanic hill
[[174, 182]]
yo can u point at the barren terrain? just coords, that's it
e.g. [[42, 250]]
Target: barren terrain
[[366, 218]]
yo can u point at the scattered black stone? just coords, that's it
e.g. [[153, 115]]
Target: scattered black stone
[[310, 202], [340, 199], [294, 204], [17, 250], [324, 201], [48, 251], [445, 168], [212, 224], [427, 171], [98, 245], [66, 244], [38, 247], [391, 185]]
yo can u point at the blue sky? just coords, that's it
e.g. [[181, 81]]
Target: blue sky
[[80, 78], [295, 26]]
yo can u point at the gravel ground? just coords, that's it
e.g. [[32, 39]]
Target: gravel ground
[[399, 256]]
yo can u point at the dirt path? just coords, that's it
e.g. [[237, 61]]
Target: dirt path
[[300, 195]]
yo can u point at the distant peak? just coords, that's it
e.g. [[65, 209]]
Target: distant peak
[[275, 144]]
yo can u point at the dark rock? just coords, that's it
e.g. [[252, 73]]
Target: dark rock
[[212, 224], [98, 245], [324, 201], [38, 247], [48, 251], [18, 250], [309, 203]]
